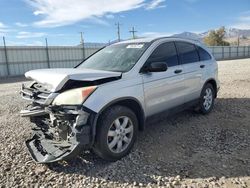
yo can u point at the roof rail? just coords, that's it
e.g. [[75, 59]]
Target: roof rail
[[191, 39]]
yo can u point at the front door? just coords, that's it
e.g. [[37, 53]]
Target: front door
[[163, 90]]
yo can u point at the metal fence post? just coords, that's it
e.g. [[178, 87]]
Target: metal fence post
[[83, 51], [237, 51], [6, 57], [248, 51], [230, 56], [212, 50], [223, 51], [47, 52]]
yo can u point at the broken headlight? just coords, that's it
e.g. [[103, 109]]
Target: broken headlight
[[74, 96]]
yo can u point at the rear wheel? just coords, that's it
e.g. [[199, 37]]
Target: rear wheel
[[207, 97], [116, 133]]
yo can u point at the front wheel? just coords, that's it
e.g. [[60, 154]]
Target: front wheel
[[207, 97], [116, 133]]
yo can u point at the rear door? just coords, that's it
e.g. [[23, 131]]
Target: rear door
[[163, 90], [192, 72]]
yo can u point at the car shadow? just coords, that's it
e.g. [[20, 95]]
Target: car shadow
[[187, 144]]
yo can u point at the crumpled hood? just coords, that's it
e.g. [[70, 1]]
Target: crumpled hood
[[56, 78]]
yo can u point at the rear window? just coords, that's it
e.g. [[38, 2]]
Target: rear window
[[187, 52], [204, 55]]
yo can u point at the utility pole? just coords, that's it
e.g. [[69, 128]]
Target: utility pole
[[238, 41], [118, 31], [6, 57], [133, 31], [47, 52], [82, 43]]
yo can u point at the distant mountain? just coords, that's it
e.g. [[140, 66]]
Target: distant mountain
[[233, 32], [92, 45], [230, 33], [189, 35]]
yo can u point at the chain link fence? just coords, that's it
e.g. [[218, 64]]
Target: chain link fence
[[230, 52], [16, 60]]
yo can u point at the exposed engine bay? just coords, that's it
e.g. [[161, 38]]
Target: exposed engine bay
[[61, 131]]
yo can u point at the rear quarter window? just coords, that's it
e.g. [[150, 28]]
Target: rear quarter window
[[187, 52], [204, 55]]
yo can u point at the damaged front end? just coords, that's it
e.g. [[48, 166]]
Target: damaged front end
[[60, 132]]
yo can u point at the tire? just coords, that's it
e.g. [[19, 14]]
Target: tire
[[206, 102], [110, 136]]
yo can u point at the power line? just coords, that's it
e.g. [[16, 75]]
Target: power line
[[133, 31]]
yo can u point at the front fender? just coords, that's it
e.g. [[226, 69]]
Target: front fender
[[109, 92]]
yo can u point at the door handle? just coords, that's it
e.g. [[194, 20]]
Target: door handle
[[202, 66], [177, 71]]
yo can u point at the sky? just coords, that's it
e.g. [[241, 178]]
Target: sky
[[29, 22]]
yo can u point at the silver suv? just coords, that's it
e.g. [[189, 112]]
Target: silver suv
[[103, 102]]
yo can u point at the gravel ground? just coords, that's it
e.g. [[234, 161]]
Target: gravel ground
[[185, 150]]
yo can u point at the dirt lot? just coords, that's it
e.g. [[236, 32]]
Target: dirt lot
[[185, 150]]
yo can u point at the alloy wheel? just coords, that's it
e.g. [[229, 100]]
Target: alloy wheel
[[120, 134], [208, 99]]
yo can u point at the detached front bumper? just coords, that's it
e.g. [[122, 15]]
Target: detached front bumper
[[45, 150], [43, 146]]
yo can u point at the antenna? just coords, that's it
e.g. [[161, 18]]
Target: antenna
[[133, 31]]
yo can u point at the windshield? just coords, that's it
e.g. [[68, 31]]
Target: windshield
[[117, 58]]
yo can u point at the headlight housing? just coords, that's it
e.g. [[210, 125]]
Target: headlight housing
[[74, 96]]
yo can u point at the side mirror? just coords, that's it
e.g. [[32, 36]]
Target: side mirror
[[155, 67]]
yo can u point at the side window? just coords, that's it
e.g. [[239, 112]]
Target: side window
[[204, 55], [187, 52], [165, 52]]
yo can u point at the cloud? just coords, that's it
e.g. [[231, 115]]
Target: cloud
[[2, 25], [99, 21], [243, 21], [156, 34], [25, 35], [110, 16], [35, 43], [18, 43], [64, 12], [155, 4], [192, 1], [55, 13], [4, 29], [19, 24]]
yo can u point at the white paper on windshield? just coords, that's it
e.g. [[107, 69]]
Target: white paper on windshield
[[109, 51], [136, 46]]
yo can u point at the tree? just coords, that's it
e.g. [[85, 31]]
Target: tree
[[216, 38]]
